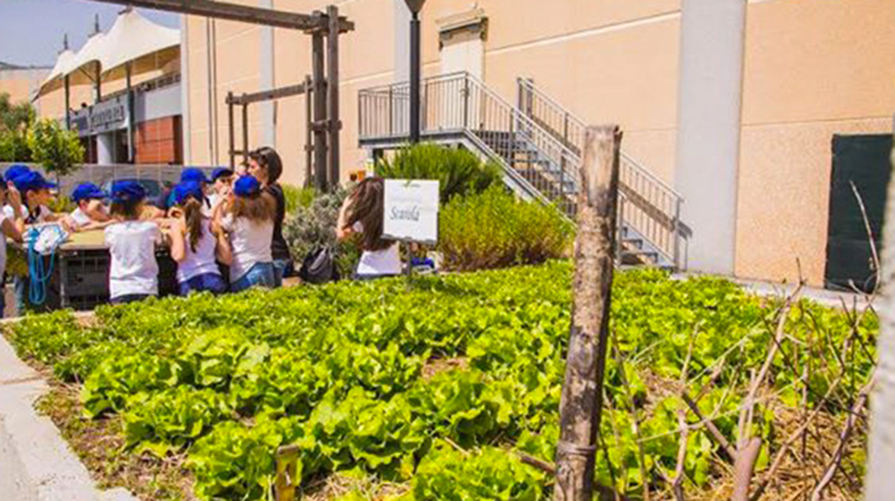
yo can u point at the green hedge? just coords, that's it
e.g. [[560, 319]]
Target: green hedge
[[494, 229]]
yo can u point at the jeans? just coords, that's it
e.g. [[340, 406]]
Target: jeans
[[20, 287], [211, 282], [129, 298], [259, 275], [281, 268]]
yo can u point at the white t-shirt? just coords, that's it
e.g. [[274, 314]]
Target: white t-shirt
[[134, 269], [80, 217], [42, 214], [383, 262], [250, 244], [203, 260]]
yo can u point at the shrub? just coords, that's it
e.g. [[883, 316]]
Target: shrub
[[314, 225], [14, 146], [297, 197], [494, 229], [459, 171], [57, 149]]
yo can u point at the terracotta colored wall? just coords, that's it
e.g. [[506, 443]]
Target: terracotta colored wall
[[159, 141]]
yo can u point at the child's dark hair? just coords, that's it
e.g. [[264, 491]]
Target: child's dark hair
[[269, 159], [367, 206], [128, 210], [192, 212]]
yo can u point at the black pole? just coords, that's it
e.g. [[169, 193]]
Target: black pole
[[415, 79], [67, 103], [131, 118]]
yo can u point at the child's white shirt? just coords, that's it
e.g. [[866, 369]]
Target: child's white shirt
[[80, 217], [134, 269], [250, 244], [201, 262]]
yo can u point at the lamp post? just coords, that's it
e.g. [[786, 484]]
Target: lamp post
[[415, 7]]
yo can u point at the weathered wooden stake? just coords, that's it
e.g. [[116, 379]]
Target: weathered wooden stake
[[581, 403]]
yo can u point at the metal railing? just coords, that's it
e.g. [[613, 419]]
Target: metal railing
[[538, 142], [460, 103], [166, 175], [651, 207]]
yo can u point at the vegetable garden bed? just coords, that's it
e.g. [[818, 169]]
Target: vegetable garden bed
[[434, 392]]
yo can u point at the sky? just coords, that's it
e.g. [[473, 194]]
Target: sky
[[31, 31]]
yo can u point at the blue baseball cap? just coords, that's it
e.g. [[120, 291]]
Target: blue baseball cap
[[32, 181], [220, 172], [127, 191], [15, 171], [246, 186], [87, 191], [187, 190], [193, 174]]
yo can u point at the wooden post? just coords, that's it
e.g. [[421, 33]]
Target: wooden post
[[232, 132], [319, 124], [309, 138], [334, 125], [581, 403], [245, 133]]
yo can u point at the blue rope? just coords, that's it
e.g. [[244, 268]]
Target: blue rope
[[40, 278]]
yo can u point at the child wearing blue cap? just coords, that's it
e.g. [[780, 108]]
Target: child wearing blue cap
[[11, 227], [91, 213], [133, 274], [194, 246], [221, 186], [247, 218], [36, 196]]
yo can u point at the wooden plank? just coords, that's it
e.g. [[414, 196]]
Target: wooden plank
[[320, 142], [234, 12], [267, 95], [335, 125]]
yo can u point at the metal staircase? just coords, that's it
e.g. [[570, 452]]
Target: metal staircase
[[539, 146]]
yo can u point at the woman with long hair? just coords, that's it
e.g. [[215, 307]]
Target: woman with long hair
[[247, 220], [266, 166], [361, 216], [193, 245]]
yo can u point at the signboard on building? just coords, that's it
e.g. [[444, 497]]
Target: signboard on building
[[411, 211], [108, 115]]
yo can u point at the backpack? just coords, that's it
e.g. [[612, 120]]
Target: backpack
[[319, 267]]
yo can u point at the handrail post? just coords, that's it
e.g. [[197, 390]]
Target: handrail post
[[391, 111], [676, 225], [465, 102]]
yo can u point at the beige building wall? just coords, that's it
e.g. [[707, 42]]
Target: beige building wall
[[812, 69], [20, 83]]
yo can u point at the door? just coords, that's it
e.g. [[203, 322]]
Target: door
[[861, 161], [462, 50]]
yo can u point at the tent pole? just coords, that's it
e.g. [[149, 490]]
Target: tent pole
[[131, 118]]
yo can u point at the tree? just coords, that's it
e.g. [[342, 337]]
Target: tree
[[15, 117], [14, 146], [57, 149]]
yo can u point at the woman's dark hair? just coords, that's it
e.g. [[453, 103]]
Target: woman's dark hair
[[128, 210], [366, 206], [192, 212], [259, 208], [269, 159]]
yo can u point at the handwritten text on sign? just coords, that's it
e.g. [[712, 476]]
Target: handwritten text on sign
[[411, 211]]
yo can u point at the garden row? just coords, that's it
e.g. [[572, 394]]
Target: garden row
[[437, 387]]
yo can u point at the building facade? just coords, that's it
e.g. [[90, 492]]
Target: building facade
[[123, 93], [21, 82], [736, 104]]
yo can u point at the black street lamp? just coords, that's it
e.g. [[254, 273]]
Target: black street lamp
[[415, 7]]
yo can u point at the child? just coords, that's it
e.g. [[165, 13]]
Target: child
[[133, 275], [36, 196], [91, 213], [362, 214], [247, 218], [222, 184], [194, 246], [267, 167], [12, 228]]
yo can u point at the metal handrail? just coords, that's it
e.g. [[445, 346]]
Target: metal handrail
[[530, 86]]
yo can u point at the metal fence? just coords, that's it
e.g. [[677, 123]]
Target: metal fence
[[165, 175]]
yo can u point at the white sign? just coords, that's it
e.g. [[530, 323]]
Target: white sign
[[411, 211]]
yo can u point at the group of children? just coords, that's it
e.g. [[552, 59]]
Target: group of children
[[232, 219]]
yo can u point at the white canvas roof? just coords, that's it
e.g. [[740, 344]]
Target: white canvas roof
[[130, 38]]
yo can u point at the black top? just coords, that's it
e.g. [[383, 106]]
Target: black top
[[278, 247]]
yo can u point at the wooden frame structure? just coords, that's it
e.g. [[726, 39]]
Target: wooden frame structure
[[323, 86]]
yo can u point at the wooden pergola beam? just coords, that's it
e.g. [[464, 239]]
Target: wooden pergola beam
[[242, 13], [267, 95]]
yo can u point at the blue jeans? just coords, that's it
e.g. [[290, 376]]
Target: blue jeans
[[259, 275], [281, 268], [129, 298], [19, 285], [211, 282]]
